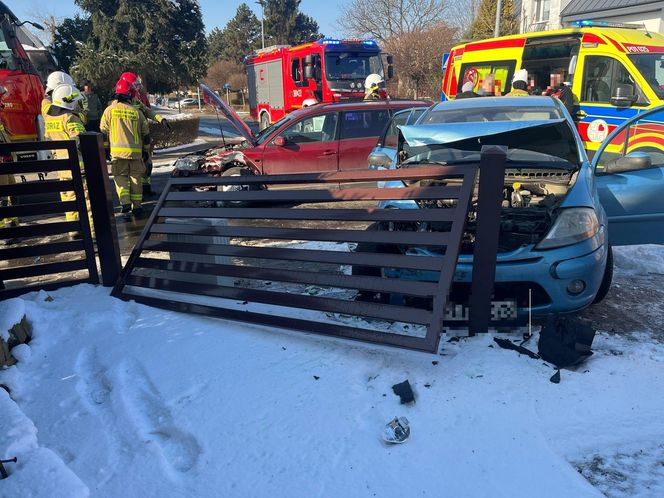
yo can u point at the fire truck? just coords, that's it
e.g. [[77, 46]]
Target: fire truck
[[282, 78], [20, 112]]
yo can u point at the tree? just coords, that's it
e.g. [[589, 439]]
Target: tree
[[484, 24], [417, 56], [223, 72], [162, 40], [386, 19], [66, 37], [240, 37], [284, 24]]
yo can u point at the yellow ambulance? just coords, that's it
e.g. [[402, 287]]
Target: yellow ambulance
[[615, 73]]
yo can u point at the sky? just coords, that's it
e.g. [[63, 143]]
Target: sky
[[215, 13]]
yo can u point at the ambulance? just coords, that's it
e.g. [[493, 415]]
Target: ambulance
[[615, 71]]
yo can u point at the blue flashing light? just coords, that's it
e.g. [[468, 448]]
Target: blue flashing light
[[369, 43], [330, 41], [586, 23]]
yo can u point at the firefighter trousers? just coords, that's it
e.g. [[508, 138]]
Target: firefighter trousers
[[6, 201], [127, 174]]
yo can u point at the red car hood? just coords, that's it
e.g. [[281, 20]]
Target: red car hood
[[209, 97]]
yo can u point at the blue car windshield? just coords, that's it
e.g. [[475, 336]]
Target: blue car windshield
[[481, 115]]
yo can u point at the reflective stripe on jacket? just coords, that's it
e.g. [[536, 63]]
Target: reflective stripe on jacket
[[125, 129], [65, 125]]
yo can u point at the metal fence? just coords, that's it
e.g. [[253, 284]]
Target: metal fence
[[295, 255], [43, 250]]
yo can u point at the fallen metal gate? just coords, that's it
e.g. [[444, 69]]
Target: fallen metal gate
[[44, 251], [225, 262]]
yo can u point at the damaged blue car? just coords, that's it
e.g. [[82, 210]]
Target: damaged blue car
[[560, 213]]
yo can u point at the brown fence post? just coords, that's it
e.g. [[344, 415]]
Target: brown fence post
[[492, 174], [101, 204]]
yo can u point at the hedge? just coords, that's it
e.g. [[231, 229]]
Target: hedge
[[183, 131]]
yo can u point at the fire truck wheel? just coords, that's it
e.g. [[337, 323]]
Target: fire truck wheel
[[235, 171], [264, 121]]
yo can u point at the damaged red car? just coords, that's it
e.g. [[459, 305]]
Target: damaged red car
[[320, 138]]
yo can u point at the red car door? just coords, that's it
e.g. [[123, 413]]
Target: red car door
[[307, 146], [359, 131]]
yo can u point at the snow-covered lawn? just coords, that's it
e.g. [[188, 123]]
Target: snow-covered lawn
[[115, 399]]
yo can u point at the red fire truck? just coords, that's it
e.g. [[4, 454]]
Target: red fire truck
[[20, 112], [282, 78]]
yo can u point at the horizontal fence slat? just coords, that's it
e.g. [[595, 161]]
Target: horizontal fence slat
[[8, 147], [382, 237], [39, 230], [49, 286], [359, 175], [377, 284], [370, 214], [36, 187], [316, 256], [383, 311], [288, 323], [43, 269], [37, 209], [45, 166], [320, 195], [41, 250]]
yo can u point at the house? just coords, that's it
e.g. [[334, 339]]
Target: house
[[544, 15]]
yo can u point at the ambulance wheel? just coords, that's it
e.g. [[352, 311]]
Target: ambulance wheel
[[235, 171], [264, 121], [606, 280]]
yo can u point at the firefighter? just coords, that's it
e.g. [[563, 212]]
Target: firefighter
[[60, 78], [5, 179], [142, 103], [62, 122], [519, 84], [372, 87], [126, 132]]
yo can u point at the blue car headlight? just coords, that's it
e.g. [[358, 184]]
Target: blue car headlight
[[572, 225]]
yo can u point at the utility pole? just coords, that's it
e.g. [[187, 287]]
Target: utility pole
[[262, 4], [499, 8]]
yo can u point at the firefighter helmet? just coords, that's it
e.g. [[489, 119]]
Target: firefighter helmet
[[58, 78], [521, 75], [373, 81], [132, 78], [123, 87], [66, 96]]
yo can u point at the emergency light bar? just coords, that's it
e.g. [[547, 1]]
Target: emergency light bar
[[588, 23], [334, 41]]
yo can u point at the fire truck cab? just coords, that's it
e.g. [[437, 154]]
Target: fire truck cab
[[20, 112], [282, 78]]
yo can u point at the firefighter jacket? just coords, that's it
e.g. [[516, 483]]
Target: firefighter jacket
[[4, 135], [47, 102], [147, 111], [517, 93], [125, 130], [62, 124]]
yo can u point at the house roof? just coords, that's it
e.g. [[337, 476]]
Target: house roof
[[576, 7]]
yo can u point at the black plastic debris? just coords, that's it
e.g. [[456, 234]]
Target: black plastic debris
[[555, 378], [507, 344], [404, 391], [3, 471], [566, 341]]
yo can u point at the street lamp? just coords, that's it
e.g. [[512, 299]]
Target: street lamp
[[262, 4]]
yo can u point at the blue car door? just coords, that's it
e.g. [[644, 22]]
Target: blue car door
[[629, 168]]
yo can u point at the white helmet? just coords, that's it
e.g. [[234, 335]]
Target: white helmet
[[521, 75], [58, 78], [66, 96], [373, 81]]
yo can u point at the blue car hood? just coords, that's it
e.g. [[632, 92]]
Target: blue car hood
[[442, 133]]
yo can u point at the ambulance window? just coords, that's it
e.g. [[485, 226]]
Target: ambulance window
[[363, 124], [601, 76], [296, 70], [500, 71]]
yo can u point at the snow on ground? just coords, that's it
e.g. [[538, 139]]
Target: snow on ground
[[113, 398], [639, 260], [168, 150], [215, 131]]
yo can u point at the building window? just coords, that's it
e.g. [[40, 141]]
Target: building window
[[542, 8]]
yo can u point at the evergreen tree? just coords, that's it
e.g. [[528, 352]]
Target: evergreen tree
[[161, 40], [285, 25], [484, 24], [240, 37], [66, 37]]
